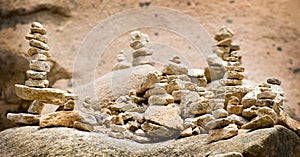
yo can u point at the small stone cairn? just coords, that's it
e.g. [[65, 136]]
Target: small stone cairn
[[122, 62], [142, 53]]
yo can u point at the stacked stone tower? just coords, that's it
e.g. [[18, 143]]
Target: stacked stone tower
[[142, 53], [39, 53]]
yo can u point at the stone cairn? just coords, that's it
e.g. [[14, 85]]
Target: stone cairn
[[142, 53], [39, 53], [122, 62], [36, 89]]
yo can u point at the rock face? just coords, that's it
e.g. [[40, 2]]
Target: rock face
[[276, 141]]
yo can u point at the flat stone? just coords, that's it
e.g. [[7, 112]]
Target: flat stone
[[230, 154], [34, 50], [165, 115], [234, 47], [274, 81], [225, 42], [266, 95], [234, 75], [233, 63], [234, 109], [23, 118], [182, 77], [235, 68], [250, 112], [38, 37], [163, 99], [198, 73], [39, 57], [42, 30], [61, 118], [36, 75], [35, 107], [264, 102], [259, 122], [223, 133], [139, 117], [45, 95], [142, 60], [174, 69], [220, 113], [37, 83], [249, 100], [39, 66], [232, 82], [217, 123], [118, 128], [38, 44], [83, 126], [238, 120], [144, 51]]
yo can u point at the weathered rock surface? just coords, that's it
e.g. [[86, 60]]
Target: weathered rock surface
[[165, 115], [32, 141], [61, 118], [24, 118]]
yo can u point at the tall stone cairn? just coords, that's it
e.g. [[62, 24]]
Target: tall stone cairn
[[234, 72], [39, 53], [142, 53]]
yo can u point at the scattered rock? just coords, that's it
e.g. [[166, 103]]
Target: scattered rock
[[83, 126], [259, 122]]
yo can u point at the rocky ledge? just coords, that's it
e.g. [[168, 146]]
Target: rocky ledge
[[62, 141]]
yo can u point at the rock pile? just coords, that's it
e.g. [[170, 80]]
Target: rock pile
[[172, 103], [142, 53], [35, 89]]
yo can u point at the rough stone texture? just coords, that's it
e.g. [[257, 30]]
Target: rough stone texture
[[259, 122], [165, 115], [61, 118], [277, 141], [35, 107], [223, 133], [47, 95], [83, 126], [24, 118]]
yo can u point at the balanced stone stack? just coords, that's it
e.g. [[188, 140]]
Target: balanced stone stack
[[122, 62], [234, 72], [39, 53], [224, 47], [142, 53], [35, 89]]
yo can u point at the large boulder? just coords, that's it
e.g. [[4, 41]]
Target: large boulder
[[33, 141]]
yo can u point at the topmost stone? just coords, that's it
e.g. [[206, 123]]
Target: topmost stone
[[37, 25], [224, 33], [138, 40]]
